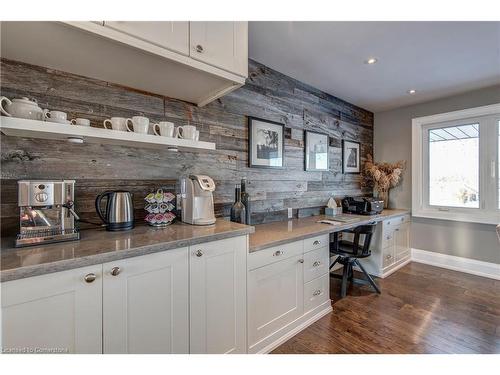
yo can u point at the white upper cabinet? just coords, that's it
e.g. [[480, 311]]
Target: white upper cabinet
[[155, 57], [218, 296], [222, 44], [57, 312], [171, 35], [145, 308]]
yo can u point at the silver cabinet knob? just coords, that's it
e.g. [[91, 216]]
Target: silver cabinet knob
[[317, 292], [317, 242], [317, 263], [199, 253], [115, 271], [278, 253], [199, 48], [90, 277], [388, 257], [301, 260]]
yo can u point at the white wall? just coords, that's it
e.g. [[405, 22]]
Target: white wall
[[392, 141]]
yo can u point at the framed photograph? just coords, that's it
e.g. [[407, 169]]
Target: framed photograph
[[266, 143], [350, 157], [316, 151]]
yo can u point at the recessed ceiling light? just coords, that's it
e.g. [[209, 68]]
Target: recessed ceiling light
[[371, 61], [412, 91]]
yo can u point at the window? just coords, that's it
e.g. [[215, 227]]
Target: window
[[456, 173]]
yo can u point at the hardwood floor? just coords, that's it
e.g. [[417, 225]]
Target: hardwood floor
[[422, 309]]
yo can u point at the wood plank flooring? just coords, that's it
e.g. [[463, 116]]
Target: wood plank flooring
[[422, 309]]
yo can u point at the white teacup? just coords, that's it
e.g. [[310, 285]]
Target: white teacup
[[116, 123], [165, 129], [140, 124], [81, 121], [187, 132], [55, 116]]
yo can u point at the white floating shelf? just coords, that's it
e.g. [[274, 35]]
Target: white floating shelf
[[19, 127]]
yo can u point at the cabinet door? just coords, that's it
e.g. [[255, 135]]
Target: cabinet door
[[218, 296], [54, 313], [275, 297], [145, 304], [222, 44], [402, 241], [173, 35]]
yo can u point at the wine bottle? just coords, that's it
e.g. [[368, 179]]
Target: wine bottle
[[245, 199], [238, 212]]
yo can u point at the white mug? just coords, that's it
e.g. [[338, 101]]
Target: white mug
[[140, 124], [80, 121], [55, 115], [116, 123], [165, 129], [187, 132]]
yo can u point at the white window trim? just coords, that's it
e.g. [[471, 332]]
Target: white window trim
[[419, 209]]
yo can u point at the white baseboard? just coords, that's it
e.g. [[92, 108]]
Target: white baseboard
[[287, 332], [472, 266]]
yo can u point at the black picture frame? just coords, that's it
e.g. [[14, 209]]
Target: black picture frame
[[253, 160], [346, 169], [307, 163]]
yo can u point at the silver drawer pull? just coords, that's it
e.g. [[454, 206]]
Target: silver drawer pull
[[317, 242], [90, 277], [317, 263], [388, 257], [278, 253], [115, 271], [317, 292], [199, 253]]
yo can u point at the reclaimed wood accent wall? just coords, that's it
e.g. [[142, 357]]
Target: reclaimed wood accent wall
[[267, 94]]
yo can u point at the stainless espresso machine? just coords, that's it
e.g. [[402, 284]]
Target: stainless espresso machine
[[197, 200], [46, 212]]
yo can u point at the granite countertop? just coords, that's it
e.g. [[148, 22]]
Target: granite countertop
[[99, 246], [278, 233]]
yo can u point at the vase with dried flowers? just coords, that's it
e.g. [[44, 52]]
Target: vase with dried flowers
[[382, 177]]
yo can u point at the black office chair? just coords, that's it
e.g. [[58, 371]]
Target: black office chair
[[348, 254]]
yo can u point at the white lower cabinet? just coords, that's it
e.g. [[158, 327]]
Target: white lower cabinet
[[390, 247], [54, 313], [176, 301], [145, 304], [218, 296], [288, 289], [275, 297]]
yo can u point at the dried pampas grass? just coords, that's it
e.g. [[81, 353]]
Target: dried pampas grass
[[382, 176]]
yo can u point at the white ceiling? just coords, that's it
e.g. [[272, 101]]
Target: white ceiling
[[437, 59]]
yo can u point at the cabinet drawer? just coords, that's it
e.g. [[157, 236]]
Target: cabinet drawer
[[316, 292], [316, 263], [317, 242], [274, 254], [388, 256], [388, 238]]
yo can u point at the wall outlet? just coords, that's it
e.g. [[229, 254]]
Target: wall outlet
[[290, 213]]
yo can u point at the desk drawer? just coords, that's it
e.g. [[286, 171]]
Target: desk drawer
[[316, 292], [316, 263], [274, 254], [317, 242]]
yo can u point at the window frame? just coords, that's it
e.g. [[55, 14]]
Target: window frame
[[488, 212]]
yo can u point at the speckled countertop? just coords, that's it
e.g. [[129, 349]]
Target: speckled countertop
[[278, 233], [99, 246]]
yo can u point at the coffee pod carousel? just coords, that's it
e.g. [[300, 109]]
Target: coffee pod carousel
[[160, 206]]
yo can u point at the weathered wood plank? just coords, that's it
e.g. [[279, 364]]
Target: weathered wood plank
[[267, 94]]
